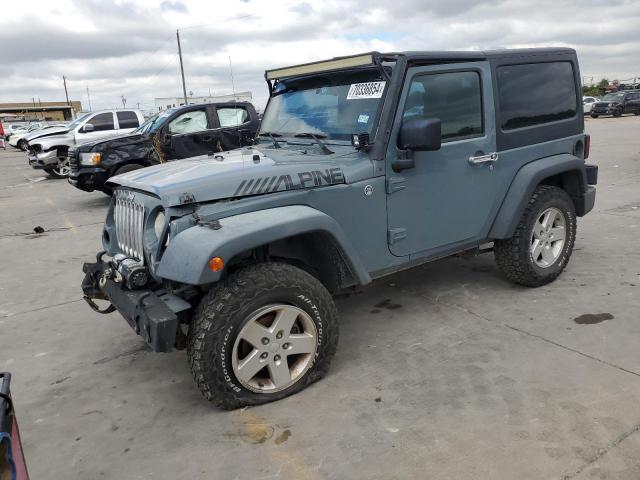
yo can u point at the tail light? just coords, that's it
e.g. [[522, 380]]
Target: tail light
[[587, 146]]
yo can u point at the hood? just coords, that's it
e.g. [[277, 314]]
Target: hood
[[248, 171], [113, 142], [59, 139], [45, 132]]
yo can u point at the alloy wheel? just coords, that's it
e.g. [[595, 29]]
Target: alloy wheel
[[548, 237], [274, 349]]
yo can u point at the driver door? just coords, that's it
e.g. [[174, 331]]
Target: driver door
[[446, 200]]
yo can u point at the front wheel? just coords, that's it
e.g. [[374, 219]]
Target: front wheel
[[542, 244], [266, 332], [22, 145], [617, 112], [61, 170], [594, 115]]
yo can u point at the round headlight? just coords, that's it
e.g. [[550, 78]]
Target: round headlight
[[159, 222]]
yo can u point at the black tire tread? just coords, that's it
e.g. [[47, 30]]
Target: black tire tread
[[511, 253], [218, 306]]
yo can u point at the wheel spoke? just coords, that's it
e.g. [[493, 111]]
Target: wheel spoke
[[254, 333], [557, 233], [280, 374], [549, 218], [284, 320], [536, 249], [548, 255], [301, 343], [538, 228], [248, 367]]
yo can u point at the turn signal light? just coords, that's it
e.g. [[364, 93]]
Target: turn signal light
[[216, 264]]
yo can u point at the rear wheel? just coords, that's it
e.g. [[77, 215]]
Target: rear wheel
[[266, 332], [542, 244]]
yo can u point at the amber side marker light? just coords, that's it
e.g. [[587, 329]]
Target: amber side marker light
[[216, 264]]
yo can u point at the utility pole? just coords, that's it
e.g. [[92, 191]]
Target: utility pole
[[138, 105], [89, 98], [233, 86], [184, 87], [124, 102], [66, 93]]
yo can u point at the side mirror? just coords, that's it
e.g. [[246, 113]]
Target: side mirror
[[421, 134], [88, 127]]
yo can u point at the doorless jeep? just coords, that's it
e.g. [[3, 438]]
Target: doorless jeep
[[363, 166]]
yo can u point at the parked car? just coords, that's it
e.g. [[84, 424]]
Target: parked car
[[617, 104], [587, 104], [172, 134], [241, 250], [13, 127], [50, 152], [18, 138]]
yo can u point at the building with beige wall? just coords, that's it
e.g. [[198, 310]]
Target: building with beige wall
[[54, 111]]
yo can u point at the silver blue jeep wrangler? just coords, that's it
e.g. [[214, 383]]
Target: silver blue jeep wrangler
[[363, 166]]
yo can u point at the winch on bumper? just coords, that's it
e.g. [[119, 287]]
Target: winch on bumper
[[153, 314]]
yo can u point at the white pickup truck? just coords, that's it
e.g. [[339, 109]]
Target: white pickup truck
[[49, 151]]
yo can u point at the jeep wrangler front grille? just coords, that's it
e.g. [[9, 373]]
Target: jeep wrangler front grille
[[128, 215]]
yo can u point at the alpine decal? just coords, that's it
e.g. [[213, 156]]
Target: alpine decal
[[313, 178]]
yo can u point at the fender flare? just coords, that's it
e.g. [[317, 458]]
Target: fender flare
[[186, 259], [523, 186]]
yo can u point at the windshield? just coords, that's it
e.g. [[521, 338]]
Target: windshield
[[78, 121], [613, 97], [334, 105], [152, 124]]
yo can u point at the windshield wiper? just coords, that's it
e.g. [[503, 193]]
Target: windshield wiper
[[317, 138], [272, 136]]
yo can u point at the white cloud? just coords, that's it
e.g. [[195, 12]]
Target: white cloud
[[119, 47]]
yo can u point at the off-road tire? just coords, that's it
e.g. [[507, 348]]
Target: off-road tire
[[513, 255], [227, 307]]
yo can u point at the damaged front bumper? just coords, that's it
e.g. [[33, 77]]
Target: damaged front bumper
[[153, 314], [43, 160]]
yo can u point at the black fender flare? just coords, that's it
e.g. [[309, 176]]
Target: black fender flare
[[524, 184]]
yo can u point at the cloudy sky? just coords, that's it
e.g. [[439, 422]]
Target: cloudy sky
[[128, 48]]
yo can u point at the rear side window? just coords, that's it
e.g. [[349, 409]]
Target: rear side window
[[536, 93], [232, 116], [454, 98], [128, 120], [102, 121]]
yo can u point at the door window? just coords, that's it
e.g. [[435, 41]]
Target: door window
[[189, 122], [102, 121], [232, 116], [128, 120], [453, 97]]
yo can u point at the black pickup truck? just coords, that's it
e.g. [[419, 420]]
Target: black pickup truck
[[172, 134]]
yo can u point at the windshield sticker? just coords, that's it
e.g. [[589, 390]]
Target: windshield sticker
[[365, 90], [363, 119], [313, 178]]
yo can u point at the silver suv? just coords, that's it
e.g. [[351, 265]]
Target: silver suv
[[50, 152]]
